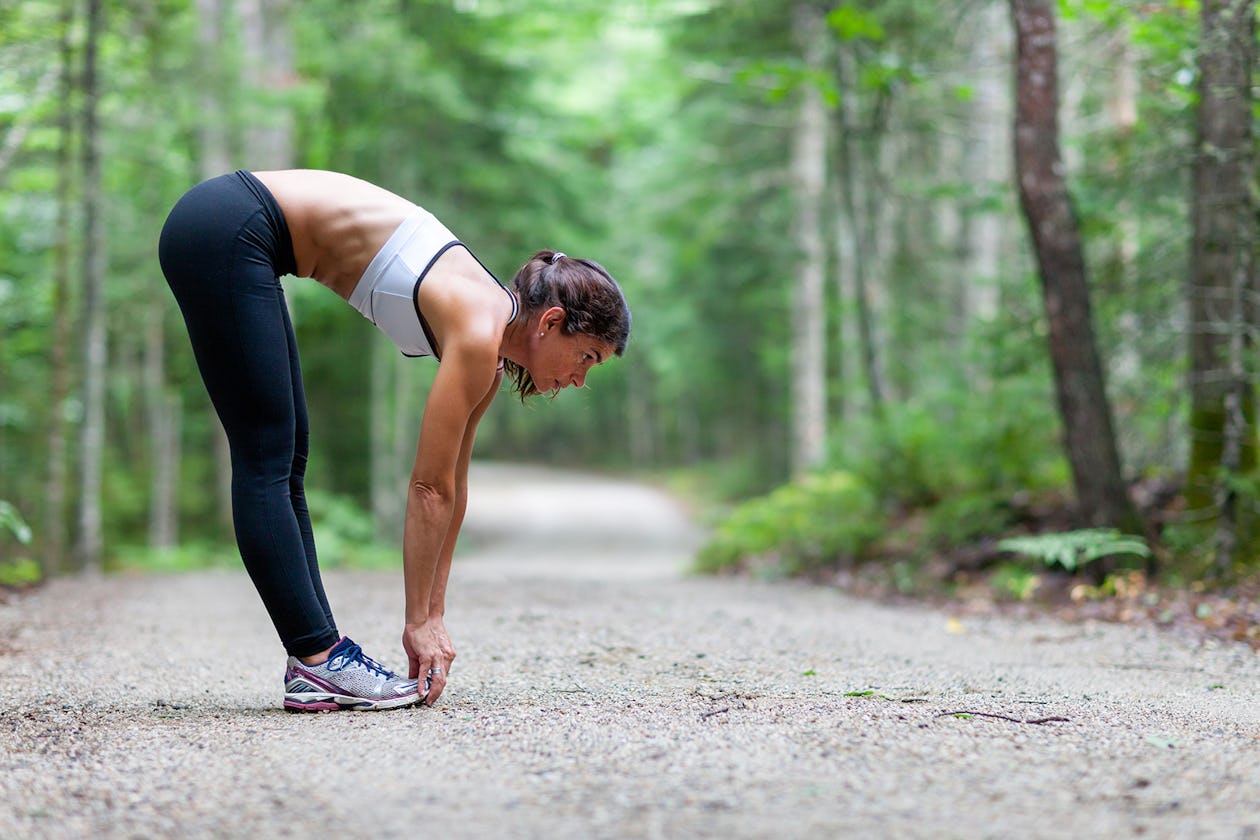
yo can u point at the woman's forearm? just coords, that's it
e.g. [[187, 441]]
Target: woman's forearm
[[429, 517], [442, 572]]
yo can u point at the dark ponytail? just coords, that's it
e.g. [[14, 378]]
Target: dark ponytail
[[590, 297]]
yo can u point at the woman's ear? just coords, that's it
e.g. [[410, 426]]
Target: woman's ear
[[551, 319]]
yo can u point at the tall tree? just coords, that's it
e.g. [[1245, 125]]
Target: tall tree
[[267, 40], [53, 532], [91, 536], [858, 199], [1222, 281], [1089, 436], [215, 158], [163, 423], [809, 314]]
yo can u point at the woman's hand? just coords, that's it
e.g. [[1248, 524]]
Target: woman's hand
[[429, 654]]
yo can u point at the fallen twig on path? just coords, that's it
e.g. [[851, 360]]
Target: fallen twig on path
[[714, 712], [1038, 721]]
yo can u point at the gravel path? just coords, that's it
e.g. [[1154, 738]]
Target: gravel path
[[601, 693]]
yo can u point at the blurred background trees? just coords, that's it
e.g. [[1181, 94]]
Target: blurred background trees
[[812, 207]]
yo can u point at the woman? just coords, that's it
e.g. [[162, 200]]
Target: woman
[[223, 249]]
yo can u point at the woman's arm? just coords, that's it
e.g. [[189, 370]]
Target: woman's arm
[[465, 384], [437, 595]]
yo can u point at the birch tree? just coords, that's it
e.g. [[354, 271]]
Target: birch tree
[[809, 171]]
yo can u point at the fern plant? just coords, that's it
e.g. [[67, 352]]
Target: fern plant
[[11, 520], [1073, 549]]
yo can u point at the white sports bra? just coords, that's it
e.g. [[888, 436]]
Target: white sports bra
[[386, 293]]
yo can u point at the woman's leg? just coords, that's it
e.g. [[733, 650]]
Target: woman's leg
[[297, 470], [217, 252]]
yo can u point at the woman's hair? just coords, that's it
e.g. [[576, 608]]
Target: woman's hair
[[591, 299]]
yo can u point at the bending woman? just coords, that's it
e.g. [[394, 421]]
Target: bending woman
[[223, 249]]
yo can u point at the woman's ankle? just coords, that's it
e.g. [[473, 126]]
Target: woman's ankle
[[317, 658]]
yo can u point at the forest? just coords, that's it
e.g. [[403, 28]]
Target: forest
[[910, 280]]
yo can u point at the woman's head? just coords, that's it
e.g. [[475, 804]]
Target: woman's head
[[577, 301]]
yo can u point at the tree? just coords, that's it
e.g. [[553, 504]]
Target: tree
[[1089, 437], [95, 351], [54, 521], [1223, 314], [809, 315], [859, 200]]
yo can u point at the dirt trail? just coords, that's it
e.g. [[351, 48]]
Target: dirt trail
[[602, 693]]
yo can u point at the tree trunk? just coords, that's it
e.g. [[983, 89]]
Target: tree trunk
[[1089, 437], [214, 149], [857, 200], [12, 140], [163, 425], [986, 164], [386, 491], [643, 425], [1222, 277], [809, 170], [267, 38], [54, 525], [91, 537]]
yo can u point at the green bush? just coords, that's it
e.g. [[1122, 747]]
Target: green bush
[[964, 519], [345, 535], [187, 556], [953, 440], [821, 519]]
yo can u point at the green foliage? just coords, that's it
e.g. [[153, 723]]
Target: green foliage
[[963, 519], [16, 571], [12, 521], [20, 572], [188, 556], [656, 138], [1013, 581], [1191, 544], [954, 444], [1074, 549], [852, 24], [345, 536], [824, 518]]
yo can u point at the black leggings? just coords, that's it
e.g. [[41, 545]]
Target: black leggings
[[223, 249]]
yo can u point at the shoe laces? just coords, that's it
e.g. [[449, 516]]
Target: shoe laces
[[353, 654]]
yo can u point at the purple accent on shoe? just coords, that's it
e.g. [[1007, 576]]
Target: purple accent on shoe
[[320, 706], [313, 678]]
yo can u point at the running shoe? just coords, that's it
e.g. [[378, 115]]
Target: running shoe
[[347, 680]]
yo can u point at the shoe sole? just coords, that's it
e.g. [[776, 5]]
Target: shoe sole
[[344, 703]]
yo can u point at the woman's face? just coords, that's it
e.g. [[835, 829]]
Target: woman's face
[[558, 360]]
